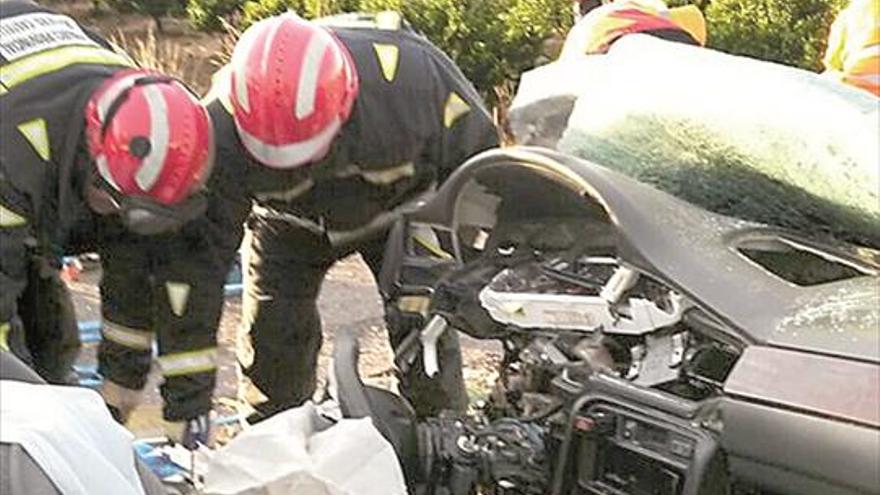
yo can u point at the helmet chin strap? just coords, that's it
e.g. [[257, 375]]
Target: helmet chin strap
[[101, 198], [146, 217], [140, 214]]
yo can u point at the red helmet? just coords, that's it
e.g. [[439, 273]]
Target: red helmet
[[293, 86], [149, 137]]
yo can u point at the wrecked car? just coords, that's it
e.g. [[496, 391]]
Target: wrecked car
[[650, 346]]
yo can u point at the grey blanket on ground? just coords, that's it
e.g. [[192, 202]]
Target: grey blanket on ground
[[737, 136]]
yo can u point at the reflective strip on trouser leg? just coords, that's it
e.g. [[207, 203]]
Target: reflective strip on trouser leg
[[414, 304], [131, 338], [189, 363]]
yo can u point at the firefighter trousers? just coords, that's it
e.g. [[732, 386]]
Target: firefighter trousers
[[49, 337], [147, 298], [284, 266]]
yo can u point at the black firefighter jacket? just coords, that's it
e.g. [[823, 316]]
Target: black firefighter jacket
[[49, 66]]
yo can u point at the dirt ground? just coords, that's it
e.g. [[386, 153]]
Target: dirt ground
[[349, 302]]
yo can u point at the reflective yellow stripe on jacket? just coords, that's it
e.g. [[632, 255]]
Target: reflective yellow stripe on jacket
[[54, 60]]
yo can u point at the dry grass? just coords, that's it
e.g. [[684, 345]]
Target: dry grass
[[169, 56], [503, 97], [227, 43]]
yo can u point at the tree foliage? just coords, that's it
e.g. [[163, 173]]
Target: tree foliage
[[207, 14], [254, 10], [791, 32], [494, 41]]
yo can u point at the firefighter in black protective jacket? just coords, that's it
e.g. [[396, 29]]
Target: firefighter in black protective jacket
[[328, 127], [93, 151]]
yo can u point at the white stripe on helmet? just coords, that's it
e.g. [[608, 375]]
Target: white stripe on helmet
[[241, 88], [151, 168], [289, 155], [873, 79], [267, 45], [307, 89], [113, 92], [240, 57], [865, 52], [104, 170]]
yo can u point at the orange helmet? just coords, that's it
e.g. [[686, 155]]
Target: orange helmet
[[603, 25]]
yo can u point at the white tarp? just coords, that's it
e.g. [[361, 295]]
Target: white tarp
[[294, 452], [70, 434], [735, 135]]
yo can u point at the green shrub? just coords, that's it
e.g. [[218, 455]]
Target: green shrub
[[791, 32], [702, 4], [254, 10], [206, 14], [493, 41], [320, 8]]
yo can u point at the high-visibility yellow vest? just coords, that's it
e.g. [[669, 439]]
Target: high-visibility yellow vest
[[853, 53]]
